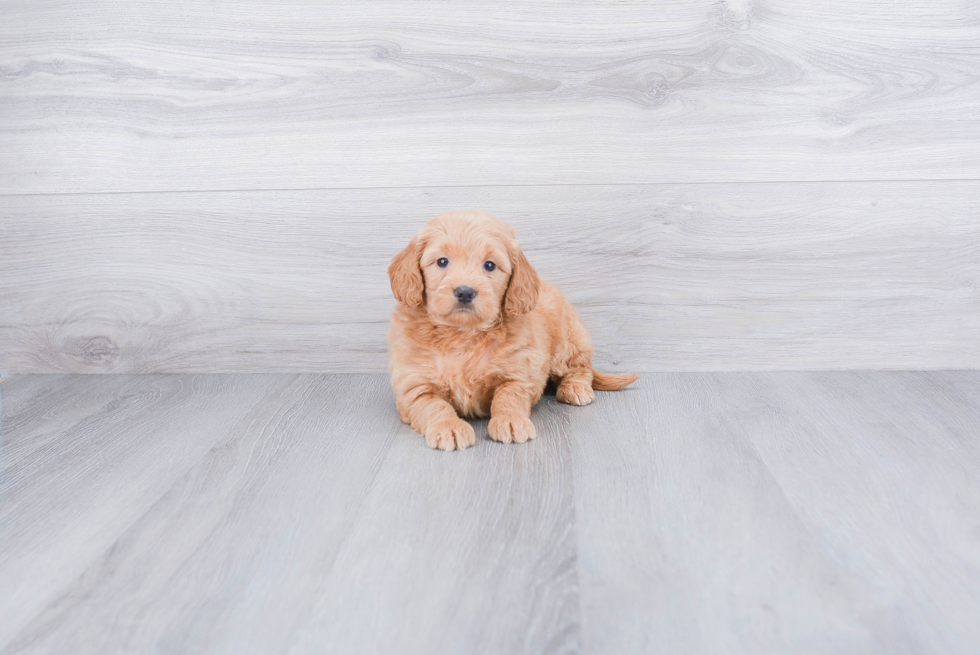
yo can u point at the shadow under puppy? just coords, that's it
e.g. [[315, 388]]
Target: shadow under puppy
[[476, 331]]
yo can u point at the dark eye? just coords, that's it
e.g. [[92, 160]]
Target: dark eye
[[489, 266], [442, 262]]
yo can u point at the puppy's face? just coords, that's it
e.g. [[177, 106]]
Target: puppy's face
[[465, 277], [466, 269]]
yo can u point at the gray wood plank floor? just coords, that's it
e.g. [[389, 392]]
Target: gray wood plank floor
[[695, 513]]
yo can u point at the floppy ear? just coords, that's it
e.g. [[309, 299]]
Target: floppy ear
[[522, 290], [406, 276]]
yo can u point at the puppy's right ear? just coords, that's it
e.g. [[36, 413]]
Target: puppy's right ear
[[406, 276]]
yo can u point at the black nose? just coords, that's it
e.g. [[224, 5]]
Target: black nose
[[464, 294]]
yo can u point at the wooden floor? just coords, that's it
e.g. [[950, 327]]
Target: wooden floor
[[695, 513]]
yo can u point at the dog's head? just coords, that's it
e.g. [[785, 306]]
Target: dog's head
[[467, 269]]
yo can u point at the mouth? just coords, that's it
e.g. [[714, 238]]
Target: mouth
[[460, 307]]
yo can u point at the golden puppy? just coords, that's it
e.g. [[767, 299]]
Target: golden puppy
[[476, 332]]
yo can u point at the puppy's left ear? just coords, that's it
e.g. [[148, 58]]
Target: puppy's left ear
[[522, 290], [406, 276]]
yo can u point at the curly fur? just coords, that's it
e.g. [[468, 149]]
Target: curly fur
[[493, 356]]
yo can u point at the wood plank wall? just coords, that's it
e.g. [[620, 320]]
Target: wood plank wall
[[190, 186]]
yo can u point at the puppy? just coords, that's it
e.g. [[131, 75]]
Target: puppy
[[477, 332]]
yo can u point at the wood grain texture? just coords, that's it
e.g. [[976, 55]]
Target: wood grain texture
[[667, 277], [187, 95], [458, 555], [780, 512], [275, 514], [77, 495], [692, 513]]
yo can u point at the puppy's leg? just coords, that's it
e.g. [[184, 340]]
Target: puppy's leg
[[574, 364], [575, 387], [510, 412], [438, 422]]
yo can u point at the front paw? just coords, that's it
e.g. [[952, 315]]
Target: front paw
[[510, 428], [454, 434]]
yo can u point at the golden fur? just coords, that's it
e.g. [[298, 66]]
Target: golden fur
[[493, 356]]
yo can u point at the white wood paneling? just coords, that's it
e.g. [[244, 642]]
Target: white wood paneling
[[667, 277], [187, 95], [656, 156]]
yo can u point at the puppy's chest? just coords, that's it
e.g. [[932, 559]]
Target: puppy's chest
[[470, 376]]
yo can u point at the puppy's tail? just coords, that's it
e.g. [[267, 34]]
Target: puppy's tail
[[612, 381]]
